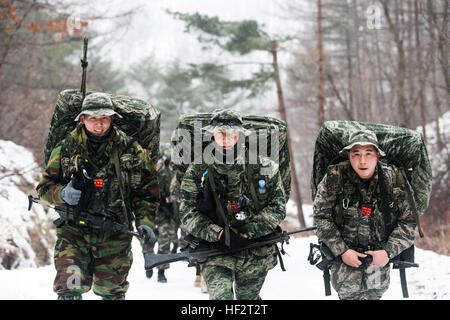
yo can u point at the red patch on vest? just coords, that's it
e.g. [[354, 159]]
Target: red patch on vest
[[366, 211], [98, 183]]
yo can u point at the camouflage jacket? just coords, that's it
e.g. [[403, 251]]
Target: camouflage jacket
[[347, 211], [264, 213], [138, 175]]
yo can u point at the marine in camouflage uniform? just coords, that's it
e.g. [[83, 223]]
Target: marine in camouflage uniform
[[166, 221], [87, 255], [348, 217], [247, 269]]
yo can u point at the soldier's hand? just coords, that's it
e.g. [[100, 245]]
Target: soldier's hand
[[350, 258], [236, 240], [70, 195], [379, 258]]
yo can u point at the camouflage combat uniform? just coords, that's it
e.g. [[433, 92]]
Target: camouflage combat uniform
[[86, 255], [175, 200], [247, 268], [344, 222], [166, 222]]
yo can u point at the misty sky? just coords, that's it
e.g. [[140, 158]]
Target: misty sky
[[153, 32]]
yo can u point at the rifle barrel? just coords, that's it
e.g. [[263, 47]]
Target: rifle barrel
[[302, 230]]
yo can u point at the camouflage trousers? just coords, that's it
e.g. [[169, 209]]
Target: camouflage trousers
[[247, 274], [84, 257], [363, 283], [166, 235]]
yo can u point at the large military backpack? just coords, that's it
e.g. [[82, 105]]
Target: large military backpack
[[140, 120], [404, 148], [266, 128]]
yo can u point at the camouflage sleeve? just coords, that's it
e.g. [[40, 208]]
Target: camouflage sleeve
[[50, 185], [326, 198], [145, 199], [195, 223], [267, 220], [402, 237]]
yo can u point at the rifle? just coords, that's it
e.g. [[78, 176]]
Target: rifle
[[321, 251], [87, 219], [328, 257], [196, 253], [84, 64]]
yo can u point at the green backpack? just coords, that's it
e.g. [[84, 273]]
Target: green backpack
[[263, 125], [404, 148], [140, 120]]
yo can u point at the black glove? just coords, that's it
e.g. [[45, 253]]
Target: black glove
[[236, 240], [148, 235]]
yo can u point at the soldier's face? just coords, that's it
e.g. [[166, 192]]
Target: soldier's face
[[226, 139], [364, 160], [98, 125]]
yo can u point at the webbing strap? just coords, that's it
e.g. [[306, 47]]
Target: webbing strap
[[219, 205], [115, 159], [386, 201]]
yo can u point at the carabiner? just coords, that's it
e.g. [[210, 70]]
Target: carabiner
[[345, 203]]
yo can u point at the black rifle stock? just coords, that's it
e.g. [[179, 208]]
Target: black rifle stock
[[201, 254]]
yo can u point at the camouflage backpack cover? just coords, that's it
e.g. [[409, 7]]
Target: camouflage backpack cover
[[404, 148], [139, 119], [263, 126]]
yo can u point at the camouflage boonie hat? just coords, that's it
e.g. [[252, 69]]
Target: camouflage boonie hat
[[97, 104], [363, 138], [227, 120]]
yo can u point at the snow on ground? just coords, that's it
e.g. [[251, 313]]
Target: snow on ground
[[301, 281]]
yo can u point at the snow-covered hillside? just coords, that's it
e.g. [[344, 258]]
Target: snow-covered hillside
[[26, 237]]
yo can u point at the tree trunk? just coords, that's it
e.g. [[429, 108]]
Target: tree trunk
[[282, 110], [401, 68], [421, 72], [320, 97]]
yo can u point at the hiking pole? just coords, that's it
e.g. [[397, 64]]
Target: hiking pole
[[84, 64]]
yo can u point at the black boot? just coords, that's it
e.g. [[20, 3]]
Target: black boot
[[161, 276], [149, 273]]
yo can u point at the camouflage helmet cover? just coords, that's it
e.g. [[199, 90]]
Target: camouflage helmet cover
[[226, 120], [363, 138], [97, 104]]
